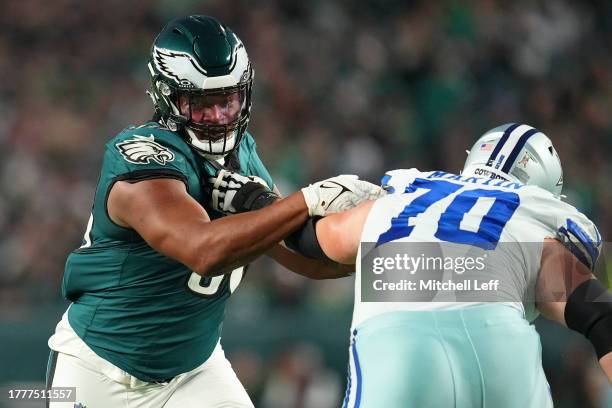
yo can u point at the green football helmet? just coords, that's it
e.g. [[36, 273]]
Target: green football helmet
[[201, 81]]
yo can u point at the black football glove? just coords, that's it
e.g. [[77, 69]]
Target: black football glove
[[234, 193]]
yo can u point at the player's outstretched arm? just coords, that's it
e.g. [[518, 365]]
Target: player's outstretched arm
[[305, 266], [339, 235], [308, 267], [233, 193], [334, 238], [173, 223], [568, 293]]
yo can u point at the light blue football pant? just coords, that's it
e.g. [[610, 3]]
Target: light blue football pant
[[485, 356]]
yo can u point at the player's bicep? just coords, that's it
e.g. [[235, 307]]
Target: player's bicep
[[560, 273], [161, 211], [339, 235]]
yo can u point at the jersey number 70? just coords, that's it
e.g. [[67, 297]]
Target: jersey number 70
[[475, 217]]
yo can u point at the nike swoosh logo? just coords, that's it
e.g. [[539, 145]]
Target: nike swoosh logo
[[344, 189]]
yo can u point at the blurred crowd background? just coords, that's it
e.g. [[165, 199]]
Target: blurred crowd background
[[341, 86]]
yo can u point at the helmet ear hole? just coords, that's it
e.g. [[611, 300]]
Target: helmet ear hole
[[551, 150]]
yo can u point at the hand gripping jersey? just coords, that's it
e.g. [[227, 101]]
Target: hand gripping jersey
[[439, 207], [138, 309]]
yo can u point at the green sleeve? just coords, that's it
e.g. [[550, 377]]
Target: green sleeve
[[140, 153]]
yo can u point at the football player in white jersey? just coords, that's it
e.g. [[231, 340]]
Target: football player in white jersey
[[413, 348]]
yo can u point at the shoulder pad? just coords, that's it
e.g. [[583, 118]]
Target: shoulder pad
[[396, 181], [582, 238]]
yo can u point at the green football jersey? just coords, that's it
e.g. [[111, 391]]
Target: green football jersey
[[144, 312]]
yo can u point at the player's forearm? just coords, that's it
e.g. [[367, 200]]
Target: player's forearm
[[339, 234], [236, 240], [310, 268], [606, 364]]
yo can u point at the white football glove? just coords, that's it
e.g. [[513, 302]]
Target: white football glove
[[338, 194], [227, 185]]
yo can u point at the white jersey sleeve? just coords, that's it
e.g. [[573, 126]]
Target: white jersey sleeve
[[396, 181], [559, 220], [541, 215]]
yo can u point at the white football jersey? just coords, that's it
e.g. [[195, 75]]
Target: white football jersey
[[471, 211]]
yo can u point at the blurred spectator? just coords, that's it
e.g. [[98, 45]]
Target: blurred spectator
[[299, 379]]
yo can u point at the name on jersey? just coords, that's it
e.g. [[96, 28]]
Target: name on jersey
[[488, 179]]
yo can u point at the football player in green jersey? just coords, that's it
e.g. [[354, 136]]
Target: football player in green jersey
[[158, 261]]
